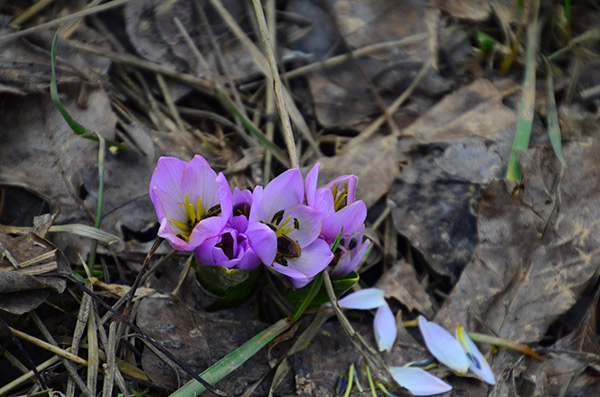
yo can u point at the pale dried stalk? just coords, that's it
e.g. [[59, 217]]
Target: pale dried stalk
[[277, 85]]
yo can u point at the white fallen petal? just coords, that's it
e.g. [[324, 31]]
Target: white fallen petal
[[418, 381], [384, 326], [479, 365], [444, 346], [365, 299]]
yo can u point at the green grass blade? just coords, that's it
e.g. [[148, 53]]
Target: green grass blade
[[551, 113], [74, 125], [314, 290], [233, 360], [526, 106]]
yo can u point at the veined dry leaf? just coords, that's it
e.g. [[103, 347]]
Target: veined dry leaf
[[536, 253], [23, 262], [401, 282], [465, 141], [563, 371], [375, 163]]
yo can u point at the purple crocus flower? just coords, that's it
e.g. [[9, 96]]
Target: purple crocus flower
[[336, 200], [192, 202], [293, 248], [232, 248], [348, 254]]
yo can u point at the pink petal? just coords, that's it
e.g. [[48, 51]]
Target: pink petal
[[263, 241], [342, 182], [479, 365], [207, 228], [281, 193], [308, 221], [166, 183], [199, 181], [384, 326], [365, 299], [297, 278], [311, 185], [350, 260], [313, 259], [225, 197], [443, 346], [418, 381], [351, 218]]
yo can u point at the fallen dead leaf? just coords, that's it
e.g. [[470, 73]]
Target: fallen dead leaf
[[463, 144]]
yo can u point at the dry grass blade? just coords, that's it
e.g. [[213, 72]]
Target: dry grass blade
[[277, 85], [66, 18], [74, 376], [110, 367], [374, 126], [28, 375], [263, 65], [93, 358], [47, 346]]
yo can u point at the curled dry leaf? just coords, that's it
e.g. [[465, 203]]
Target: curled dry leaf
[[24, 262]]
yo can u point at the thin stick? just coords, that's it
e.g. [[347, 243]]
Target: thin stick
[[66, 18], [374, 126], [277, 85], [47, 346], [11, 385]]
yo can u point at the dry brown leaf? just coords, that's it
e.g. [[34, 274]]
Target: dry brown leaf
[[24, 260], [537, 253], [465, 141], [401, 282], [375, 163]]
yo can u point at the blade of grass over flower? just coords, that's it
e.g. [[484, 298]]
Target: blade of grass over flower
[[314, 290], [270, 146], [553, 128], [492, 340], [233, 360], [74, 125], [526, 106]]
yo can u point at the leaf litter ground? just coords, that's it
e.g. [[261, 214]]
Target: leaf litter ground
[[420, 113]]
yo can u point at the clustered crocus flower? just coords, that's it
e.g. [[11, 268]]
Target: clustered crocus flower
[[290, 225]]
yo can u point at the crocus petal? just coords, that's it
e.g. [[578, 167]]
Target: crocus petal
[[418, 381], [479, 365], [365, 299], [324, 201], [311, 185], [168, 206], [256, 209], [313, 259], [225, 198], [384, 326], [350, 218], [207, 228], [199, 181], [166, 231], [249, 260], [263, 241], [242, 198], [342, 182], [281, 193], [308, 221], [297, 278], [165, 185], [443, 346], [350, 260]]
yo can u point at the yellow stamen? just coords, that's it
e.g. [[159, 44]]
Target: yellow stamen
[[194, 215], [281, 229]]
